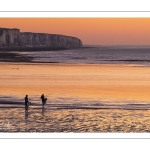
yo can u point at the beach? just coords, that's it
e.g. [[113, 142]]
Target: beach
[[81, 97], [75, 120], [112, 82]]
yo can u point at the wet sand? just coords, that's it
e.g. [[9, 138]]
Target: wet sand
[[106, 82], [74, 83], [96, 121]]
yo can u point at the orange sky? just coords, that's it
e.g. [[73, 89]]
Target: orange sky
[[99, 31]]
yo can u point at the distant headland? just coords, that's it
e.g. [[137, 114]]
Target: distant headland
[[13, 38]]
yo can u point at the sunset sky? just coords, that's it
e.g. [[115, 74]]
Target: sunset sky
[[94, 31]]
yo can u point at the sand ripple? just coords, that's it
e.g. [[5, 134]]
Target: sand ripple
[[38, 120]]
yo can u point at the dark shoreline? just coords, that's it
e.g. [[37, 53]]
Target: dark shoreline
[[26, 49], [32, 48], [7, 53], [13, 57]]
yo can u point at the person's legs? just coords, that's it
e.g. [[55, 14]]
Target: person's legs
[[45, 100], [25, 105]]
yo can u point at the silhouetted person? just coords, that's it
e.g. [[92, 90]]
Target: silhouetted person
[[43, 100], [26, 102]]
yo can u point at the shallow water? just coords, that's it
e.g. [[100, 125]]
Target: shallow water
[[82, 97], [70, 84], [68, 120]]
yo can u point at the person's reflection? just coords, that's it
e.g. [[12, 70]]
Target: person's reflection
[[43, 111], [26, 114]]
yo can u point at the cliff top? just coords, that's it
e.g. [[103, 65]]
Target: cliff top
[[47, 34], [2, 30]]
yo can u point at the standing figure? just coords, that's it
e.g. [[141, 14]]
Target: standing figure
[[26, 102], [43, 100]]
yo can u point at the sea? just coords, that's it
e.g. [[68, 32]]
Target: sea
[[95, 55], [92, 89]]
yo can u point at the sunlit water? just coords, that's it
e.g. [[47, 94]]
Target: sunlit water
[[97, 55], [84, 95], [74, 120]]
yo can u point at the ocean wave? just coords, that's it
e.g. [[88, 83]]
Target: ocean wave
[[34, 105], [95, 55]]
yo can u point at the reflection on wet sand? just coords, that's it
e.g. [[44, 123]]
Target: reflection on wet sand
[[43, 111], [111, 82], [74, 120], [74, 85], [26, 113]]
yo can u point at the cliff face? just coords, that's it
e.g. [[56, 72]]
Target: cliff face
[[52, 40], [10, 37], [13, 37]]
